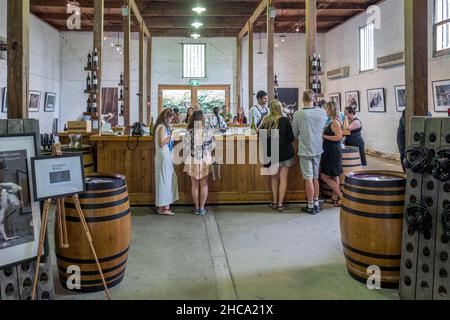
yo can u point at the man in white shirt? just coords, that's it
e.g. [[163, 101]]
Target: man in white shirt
[[260, 110]]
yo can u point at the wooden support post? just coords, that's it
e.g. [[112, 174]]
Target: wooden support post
[[126, 65], [270, 52], [416, 60], [250, 65], [238, 72], [149, 79], [18, 30], [141, 72], [99, 7], [311, 37]]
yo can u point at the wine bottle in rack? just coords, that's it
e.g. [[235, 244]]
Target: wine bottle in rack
[[94, 81], [121, 110], [88, 82], [319, 86], [89, 105], [95, 58], [319, 64], [314, 85], [121, 79], [121, 94], [94, 105], [314, 63], [89, 62]]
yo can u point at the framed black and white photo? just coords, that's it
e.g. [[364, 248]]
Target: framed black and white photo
[[5, 100], [352, 100], [336, 97], [441, 93], [35, 100], [376, 100], [50, 102], [55, 177], [400, 98], [20, 217]]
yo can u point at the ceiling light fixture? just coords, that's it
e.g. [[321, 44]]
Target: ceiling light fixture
[[197, 24], [283, 38], [199, 10], [195, 35]]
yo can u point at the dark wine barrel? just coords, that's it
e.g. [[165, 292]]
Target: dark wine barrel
[[86, 151], [107, 211], [351, 162], [371, 224]]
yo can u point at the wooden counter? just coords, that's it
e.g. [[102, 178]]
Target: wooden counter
[[239, 183]]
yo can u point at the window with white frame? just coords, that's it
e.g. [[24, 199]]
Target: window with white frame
[[194, 60], [366, 47], [442, 25]]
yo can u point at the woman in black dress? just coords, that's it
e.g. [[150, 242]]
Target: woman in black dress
[[355, 139], [331, 162]]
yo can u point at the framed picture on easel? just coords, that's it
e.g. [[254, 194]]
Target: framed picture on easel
[[20, 217]]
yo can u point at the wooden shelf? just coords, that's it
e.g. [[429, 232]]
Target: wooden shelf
[[92, 69], [317, 73], [92, 91]]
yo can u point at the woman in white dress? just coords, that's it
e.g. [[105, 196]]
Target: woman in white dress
[[166, 191]]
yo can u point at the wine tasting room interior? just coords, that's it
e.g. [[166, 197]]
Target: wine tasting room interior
[[224, 149]]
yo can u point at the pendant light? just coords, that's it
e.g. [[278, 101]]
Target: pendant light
[[260, 46]]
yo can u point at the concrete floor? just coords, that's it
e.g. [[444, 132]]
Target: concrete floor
[[236, 252]]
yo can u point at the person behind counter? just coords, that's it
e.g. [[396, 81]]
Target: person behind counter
[[176, 118], [197, 148], [166, 189], [308, 127], [260, 110], [217, 122], [331, 162], [240, 118], [355, 139], [190, 111], [279, 171], [226, 114]]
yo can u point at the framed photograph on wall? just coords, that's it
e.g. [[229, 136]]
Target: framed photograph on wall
[[55, 177], [336, 97], [352, 100], [441, 94], [35, 100], [4, 100], [376, 100], [50, 102], [400, 98], [20, 217]]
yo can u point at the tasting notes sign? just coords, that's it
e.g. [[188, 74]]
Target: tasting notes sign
[[55, 177]]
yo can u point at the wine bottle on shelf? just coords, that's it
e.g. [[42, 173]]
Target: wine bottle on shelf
[[314, 63], [121, 110], [121, 79], [95, 58], [314, 85], [94, 105], [253, 127], [151, 127], [319, 64], [94, 81], [88, 82], [276, 81], [121, 94], [89, 105], [319, 86], [89, 62], [65, 127]]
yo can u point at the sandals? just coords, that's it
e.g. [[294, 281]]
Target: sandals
[[337, 203], [281, 208], [165, 212], [273, 206]]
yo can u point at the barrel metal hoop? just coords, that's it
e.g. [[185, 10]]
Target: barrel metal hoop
[[100, 219], [371, 254], [394, 216], [88, 282], [384, 203], [118, 183], [103, 194], [89, 261], [93, 206], [365, 265], [375, 192], [94, 273], [384, 284], [375, 184]]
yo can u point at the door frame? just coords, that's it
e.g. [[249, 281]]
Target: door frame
[[193, 90]]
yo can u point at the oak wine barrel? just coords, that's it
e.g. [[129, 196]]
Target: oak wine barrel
[[351, 162], [86, 151], [371, 223], [106, 208]]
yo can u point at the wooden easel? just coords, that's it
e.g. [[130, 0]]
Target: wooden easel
[[62, 231]]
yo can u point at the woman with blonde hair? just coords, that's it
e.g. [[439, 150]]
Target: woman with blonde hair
[[278, 127], [331, 162], [166, 191]]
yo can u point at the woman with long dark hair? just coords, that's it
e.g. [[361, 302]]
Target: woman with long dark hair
[[217, 121], [166, 190], [240, 118], [198, 145], [190, 111]]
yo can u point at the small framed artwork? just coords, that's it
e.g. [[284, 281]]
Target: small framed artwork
[[5, 100], [400, 98], [352, 100], [56, 177], [441, 93], [50, 102], [336, 97], [35, 99], [20, 216], [376, 100]]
